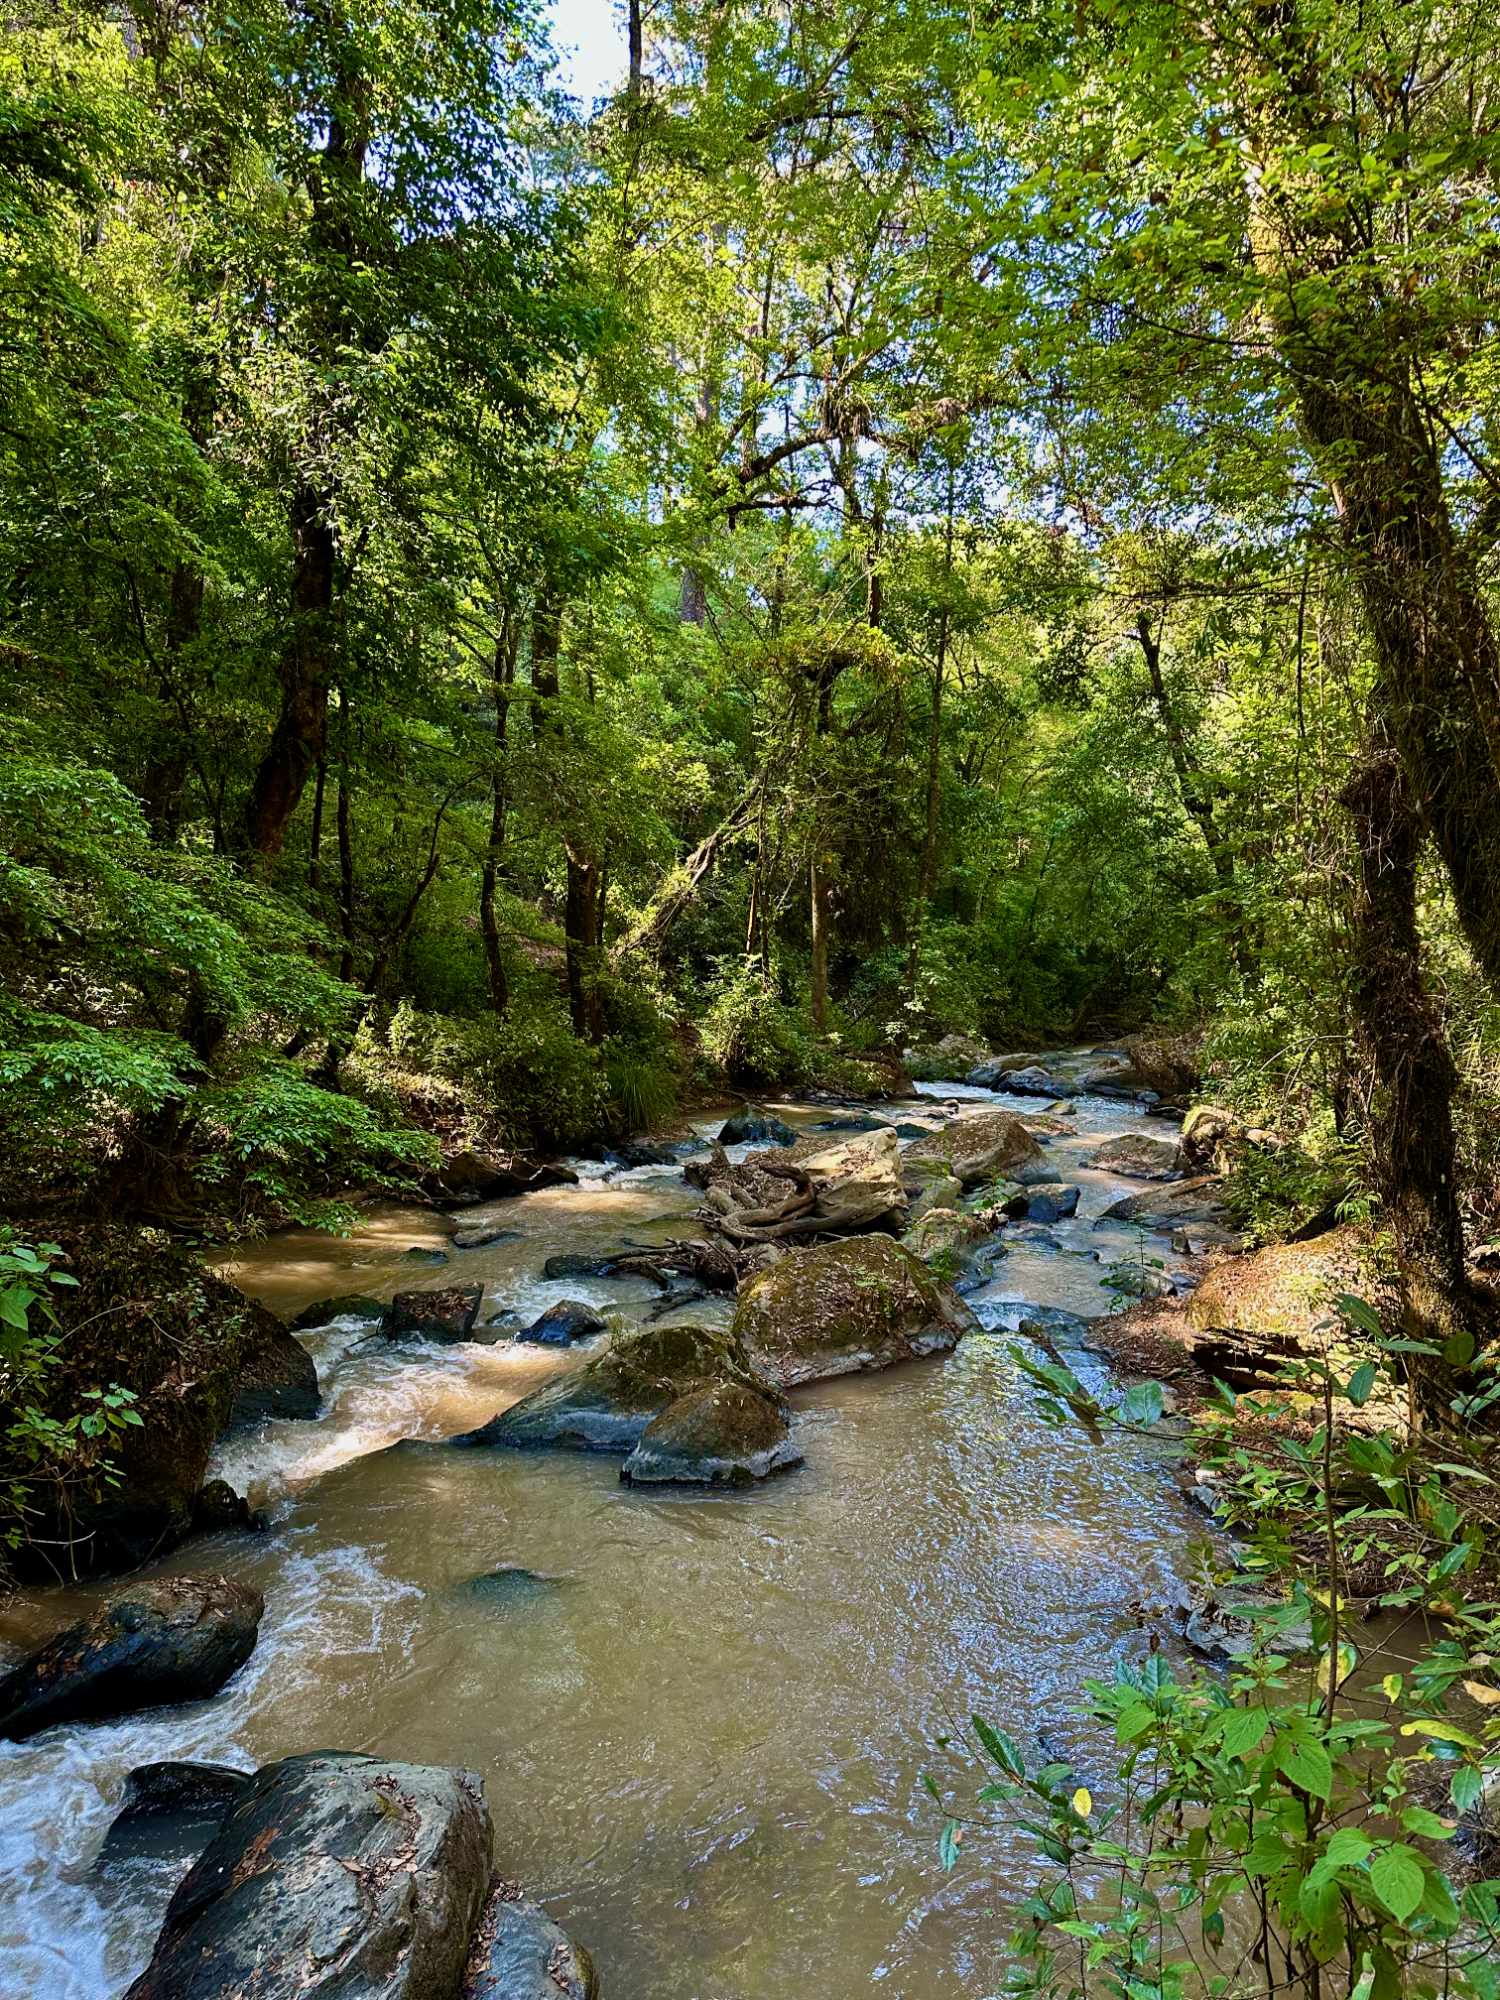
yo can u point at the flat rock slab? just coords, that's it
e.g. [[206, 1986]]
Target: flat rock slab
[[521, 1954], [335, 1875], [348, 1305], [1139, 1158], [171, 1639], [1186, 1204], [446, 1313]]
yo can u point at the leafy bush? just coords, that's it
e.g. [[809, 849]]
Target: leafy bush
[[36, 1443], [523, 1081], [750, 1033]]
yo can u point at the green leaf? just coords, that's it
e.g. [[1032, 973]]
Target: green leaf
[[1439, 1731], [1467, 1788], [999, 1747], [1361, 1382], [1348, 1848], [1427, 1825], [949, 1843], [1307, 1764], [1398, 1880], [1242, 1729]]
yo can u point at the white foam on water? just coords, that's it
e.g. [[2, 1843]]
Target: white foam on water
[[63, 1934]]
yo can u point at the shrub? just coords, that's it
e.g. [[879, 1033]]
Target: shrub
[[750, 1033]]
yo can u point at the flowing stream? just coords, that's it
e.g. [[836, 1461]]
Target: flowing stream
[[702, 1720]]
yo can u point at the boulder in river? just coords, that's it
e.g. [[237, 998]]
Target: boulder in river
[[977, 1148], [722, 1434], [838, 1308], [172, 1809], [1139, 1158], [472, 1176], [1189, 1202], [1051, 1202], [521, 1954], [758, 1128], [277, 1376], [645, 1153], [940, 1236], [561, 1324], [607, 1403], [938, 1190], [169, 1639], [446, 1313], [1033, 1081], [334, 1875]]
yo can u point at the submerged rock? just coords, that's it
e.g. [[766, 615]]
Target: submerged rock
[[757, 1128], [511, 1584], [572, 1266], [1139, 1158], [837, 1308], [348, 1305], [725, 1433], [521, 1954], [607, 1403], [420, 1254], [171, 1639], [334, 1875], [975, 1149], [483, 1235], [561, 1324], [447, 1313]]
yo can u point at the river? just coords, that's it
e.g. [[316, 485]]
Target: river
[[702, 1721]]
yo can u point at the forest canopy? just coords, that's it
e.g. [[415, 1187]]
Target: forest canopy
[[896, 523]]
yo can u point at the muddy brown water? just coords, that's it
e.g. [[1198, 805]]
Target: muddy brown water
[[702, 1727]]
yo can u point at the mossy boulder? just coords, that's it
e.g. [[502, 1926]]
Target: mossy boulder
[[1280, 1293], [942, 1235], [723, 1434], [940, 1189], [607, 1404], [976, 1148], [839, 1308]]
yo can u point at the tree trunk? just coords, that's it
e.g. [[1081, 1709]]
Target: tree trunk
[[1435, 644], [306, 675], [818, 887], [1193, 788], [1411, 1072], [503, 677], [584, 924], [927, 879]]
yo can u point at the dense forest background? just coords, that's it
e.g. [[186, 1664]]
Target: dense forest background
[[898, 523]]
